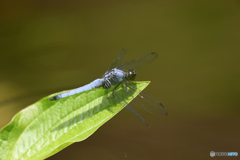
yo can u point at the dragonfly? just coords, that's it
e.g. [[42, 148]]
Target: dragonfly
[[119, 73]]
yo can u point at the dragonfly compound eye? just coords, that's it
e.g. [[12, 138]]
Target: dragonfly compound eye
[[131, 74]]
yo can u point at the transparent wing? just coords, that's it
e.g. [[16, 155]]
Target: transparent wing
[[147, 102], [118, 60], [143, 100], [139, 62], [117, 95], [118, 98]]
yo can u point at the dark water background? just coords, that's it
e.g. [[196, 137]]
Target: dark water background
[[46, 47]]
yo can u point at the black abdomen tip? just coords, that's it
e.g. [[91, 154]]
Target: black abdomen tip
[[53, 98]]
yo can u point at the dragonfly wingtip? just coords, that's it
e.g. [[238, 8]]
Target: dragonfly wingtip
[[147, 125]]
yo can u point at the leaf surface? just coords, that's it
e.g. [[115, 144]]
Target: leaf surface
[[46, 127]]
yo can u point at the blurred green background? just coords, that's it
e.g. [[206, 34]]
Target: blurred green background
[[50, 46]]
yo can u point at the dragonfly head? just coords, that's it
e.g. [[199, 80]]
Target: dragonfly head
[[131, 74]]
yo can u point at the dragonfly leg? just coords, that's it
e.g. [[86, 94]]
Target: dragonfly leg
[[113, 90], [127, 89]]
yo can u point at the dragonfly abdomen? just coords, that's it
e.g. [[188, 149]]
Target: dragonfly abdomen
[[94, 84]]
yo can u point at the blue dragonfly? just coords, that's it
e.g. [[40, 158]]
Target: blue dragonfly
[[118, 74]]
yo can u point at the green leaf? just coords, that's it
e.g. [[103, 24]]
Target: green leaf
[[47, 127]]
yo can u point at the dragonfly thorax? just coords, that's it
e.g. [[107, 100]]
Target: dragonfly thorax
[[117, 76]]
